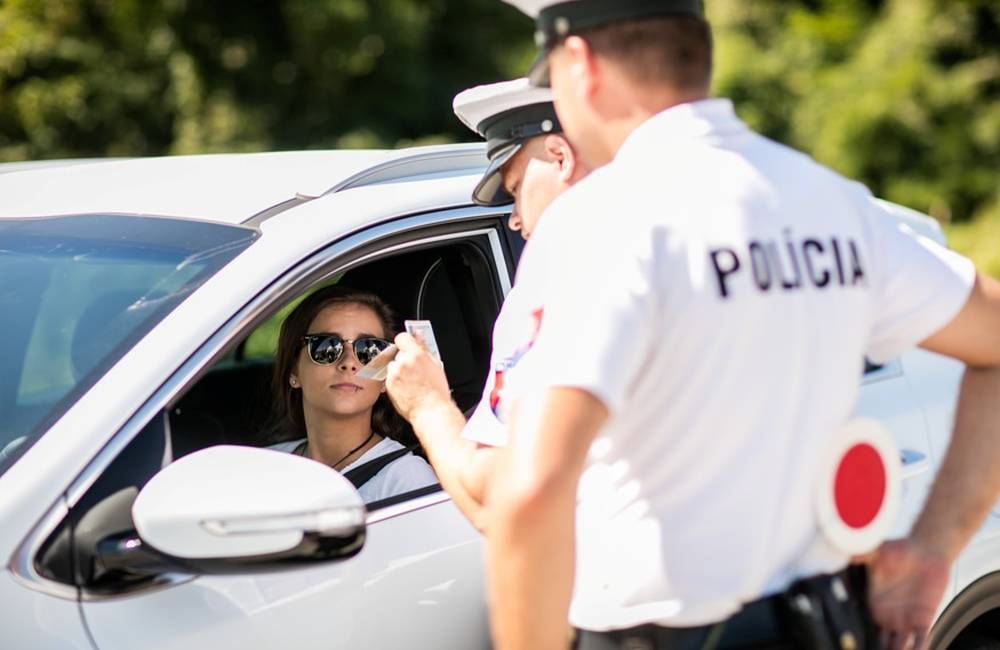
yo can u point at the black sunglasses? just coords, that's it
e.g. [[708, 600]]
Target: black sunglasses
[[325, 349]]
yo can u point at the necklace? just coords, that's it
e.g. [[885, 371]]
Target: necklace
[[303, 449]]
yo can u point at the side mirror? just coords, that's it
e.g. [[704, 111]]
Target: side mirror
[[229, 509]]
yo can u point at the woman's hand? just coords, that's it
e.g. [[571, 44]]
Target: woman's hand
[[415, 380]]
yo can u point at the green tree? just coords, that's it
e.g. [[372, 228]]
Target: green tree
[[148, 77], [901, 94]]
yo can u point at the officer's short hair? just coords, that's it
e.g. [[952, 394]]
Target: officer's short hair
[[674, 49]]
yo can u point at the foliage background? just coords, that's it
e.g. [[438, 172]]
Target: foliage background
[[901, 94]]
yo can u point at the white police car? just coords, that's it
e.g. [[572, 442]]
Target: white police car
[[138, 300]]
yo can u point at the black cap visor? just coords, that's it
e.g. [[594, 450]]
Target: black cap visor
[[505, 133], [490, 190]]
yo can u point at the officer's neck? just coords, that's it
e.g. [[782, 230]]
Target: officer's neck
[[627, 105]]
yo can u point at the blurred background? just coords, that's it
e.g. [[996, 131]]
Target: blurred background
[[903, 95]]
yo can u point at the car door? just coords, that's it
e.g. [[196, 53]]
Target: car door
[[417, 583]]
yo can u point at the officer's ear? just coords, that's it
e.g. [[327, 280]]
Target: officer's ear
[[559, 150], [580, 65]]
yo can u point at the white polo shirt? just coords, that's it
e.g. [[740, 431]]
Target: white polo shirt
[[718, 292], [406, 473], [514, 332]]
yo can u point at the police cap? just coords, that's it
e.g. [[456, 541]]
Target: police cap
[[507, 115], [555, 20]]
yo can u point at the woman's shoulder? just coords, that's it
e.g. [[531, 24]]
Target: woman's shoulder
[[408, 472], [411, 464]]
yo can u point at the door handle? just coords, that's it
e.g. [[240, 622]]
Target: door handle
[[914, 462]]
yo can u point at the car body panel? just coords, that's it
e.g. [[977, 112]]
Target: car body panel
[[36, 620], [919, 222], [223, 187], [38, 165], [980, 558], [935, 380], [425, 564]]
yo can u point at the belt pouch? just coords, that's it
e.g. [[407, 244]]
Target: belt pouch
[[831, 612], [801, 608]]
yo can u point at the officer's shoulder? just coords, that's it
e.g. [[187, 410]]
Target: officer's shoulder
[[588, 194], [591, 215], [804, 164]]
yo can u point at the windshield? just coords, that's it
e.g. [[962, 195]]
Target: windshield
[[77, 292]]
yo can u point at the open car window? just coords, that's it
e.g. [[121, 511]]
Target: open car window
[[455, 284]]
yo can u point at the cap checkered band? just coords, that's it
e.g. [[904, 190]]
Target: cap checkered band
[[518, 125]]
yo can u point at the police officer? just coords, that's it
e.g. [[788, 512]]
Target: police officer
[[706, 300], [531, 163]]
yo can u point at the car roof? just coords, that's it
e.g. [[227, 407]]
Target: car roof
[[228, 188], [233, 188]]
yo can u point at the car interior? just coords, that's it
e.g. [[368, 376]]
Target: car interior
[[451, 285]]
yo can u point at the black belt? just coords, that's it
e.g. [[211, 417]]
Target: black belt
[[827, 612]]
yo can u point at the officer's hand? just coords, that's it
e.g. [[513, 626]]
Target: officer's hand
[[414, 379], [906, 584]]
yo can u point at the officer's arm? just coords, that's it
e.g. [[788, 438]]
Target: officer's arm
[[463, 467], [909, 576], [419, 390], [531, 507], [968, 483], [973, 336]]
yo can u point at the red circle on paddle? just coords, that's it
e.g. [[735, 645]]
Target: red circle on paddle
[[859, 486]]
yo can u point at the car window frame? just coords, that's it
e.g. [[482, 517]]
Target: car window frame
[[367, 245]]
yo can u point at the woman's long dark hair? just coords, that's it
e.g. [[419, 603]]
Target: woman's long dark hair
[[288, 420]]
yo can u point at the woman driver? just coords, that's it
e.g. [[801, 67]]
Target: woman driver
[[325, 411]]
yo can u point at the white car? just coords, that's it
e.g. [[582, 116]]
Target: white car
[[138, 300]]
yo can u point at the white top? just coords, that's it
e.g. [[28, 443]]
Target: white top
[[514, 333], [404, 474], [718, 293]]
